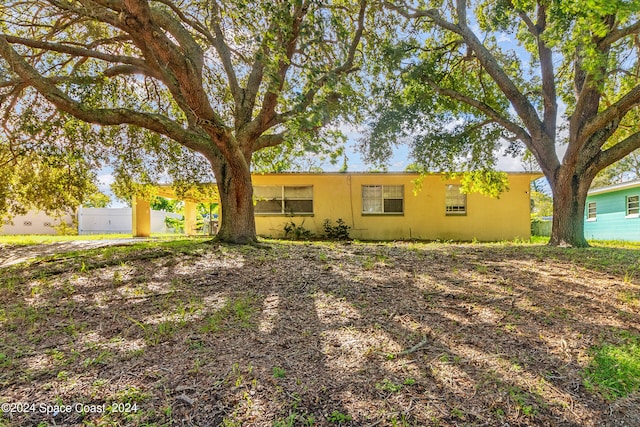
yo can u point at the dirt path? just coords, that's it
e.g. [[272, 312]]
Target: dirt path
[[15, 254]]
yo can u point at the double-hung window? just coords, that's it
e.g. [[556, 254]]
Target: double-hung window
[[283, 200], [455, 202], [591, 211], [633, 206], [383, 199]]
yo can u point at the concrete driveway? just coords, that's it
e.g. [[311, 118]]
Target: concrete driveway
[[10, 255]]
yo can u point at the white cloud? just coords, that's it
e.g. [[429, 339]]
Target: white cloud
[[509, 164], [105, 180], [504, 38]]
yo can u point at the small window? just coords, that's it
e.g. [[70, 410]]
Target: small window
[[591, 211], [283, 200], [27, 223], [47, 224], [382, 199], [455, 201], [633, 205]]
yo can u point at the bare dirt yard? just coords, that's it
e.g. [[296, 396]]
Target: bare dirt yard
[[316, 334]]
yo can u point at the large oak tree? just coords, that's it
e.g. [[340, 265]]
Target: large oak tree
[[216, 80], [465, 75]]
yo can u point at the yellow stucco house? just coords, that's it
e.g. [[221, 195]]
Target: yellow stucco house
[[381, 206]]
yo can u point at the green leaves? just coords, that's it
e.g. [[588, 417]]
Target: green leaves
[[42, 177], [459, 88]]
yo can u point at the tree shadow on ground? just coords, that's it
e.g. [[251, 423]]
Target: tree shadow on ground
[[318, 335]]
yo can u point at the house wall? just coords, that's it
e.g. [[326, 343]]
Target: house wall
[[35, 222], [339, 195], [611, 222]]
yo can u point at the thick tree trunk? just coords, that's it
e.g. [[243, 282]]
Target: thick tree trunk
[[236, 198], [569, 198]]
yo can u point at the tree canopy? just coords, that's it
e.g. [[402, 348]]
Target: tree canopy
[[464, 77], [184, 89], [43, 174]]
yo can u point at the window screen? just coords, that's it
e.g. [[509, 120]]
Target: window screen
[[455, 201], [283, 199], [591, 210], [633, 205]]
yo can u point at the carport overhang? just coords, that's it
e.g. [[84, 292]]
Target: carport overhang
[[141, 207]]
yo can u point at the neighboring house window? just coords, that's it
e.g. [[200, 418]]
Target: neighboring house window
[[633, 205], [382, 199], [591, 211], [280, 199], [455, 202]]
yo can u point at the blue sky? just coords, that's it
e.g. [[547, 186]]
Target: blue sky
[[400, 159]]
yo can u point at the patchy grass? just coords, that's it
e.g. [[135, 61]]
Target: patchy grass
[[175, 332], [237, 312], [38, 239], [615, 368]]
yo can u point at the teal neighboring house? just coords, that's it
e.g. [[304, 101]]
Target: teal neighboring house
[[613, 212]]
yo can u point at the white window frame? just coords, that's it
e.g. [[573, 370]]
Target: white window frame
[[592, 214], [632, 206], [382, 210], [453, 209], [282, 199]]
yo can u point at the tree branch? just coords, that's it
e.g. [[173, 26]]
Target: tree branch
[[191, 22], [180, 65], [81, 80], [614, 112], [550, 114], [615, 153], [519, 101], [270, 140], [345, 68], [413, 13], [225, 55], [76, 51], [586, 84], [509, 125], [190, 47], [106, 117], [120, 70], [620, 33], [263, 120]]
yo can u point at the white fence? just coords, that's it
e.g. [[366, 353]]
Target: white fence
[[118, 220], [34, 222]]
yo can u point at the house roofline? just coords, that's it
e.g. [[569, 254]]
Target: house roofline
[[533, 175], [536, 174], [614, 187], [166, 190]]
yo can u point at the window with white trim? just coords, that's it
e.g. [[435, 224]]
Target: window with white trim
[[633, 205], [591, 211], [382, 199], [455, 202], [283, 200]]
